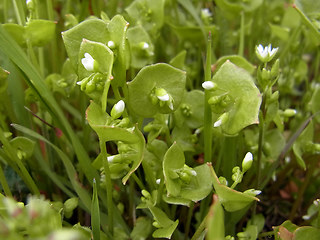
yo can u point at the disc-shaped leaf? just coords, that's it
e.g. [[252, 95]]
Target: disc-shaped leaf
[[91, 29], [149, 78], [245, 96], [231, 199]]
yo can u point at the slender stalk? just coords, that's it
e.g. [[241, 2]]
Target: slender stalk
[[4, 183], [138, 181], [200, 229], [108, 186], [207, 109], [18, 8], [24, 172], [188, 223], [241, 44]]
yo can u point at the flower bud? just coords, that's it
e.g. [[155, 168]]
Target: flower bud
[[117, 109], [252, 192], [111, 45], [89, 63], [162, 94], [289, 112], [209, 85], [247, 162], [221, 120]]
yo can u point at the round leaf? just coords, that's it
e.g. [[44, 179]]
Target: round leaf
[[159, 75]]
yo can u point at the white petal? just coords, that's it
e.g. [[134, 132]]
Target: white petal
[[164, 98], [193, 172], [110, 159], [87, 62], [119, 107], [111, 44], [248, 157], [145, 46], [217, 123], [158, 181], [208, 85]]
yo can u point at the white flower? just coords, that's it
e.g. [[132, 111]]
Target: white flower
[[110, 159], [88, 62], [193, 172], [145, 46], [164, 98], [158, 181], [117, 109], [119, 106], [266, 54], [208, 85], [217, 123], [206, 12], [247, 162], [111, 44]]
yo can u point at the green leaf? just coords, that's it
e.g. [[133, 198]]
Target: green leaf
[[92, 29], [104, 56], [40, 32], [142, 229], [140, 56], [306, 232], [95, 213], [236, 6], [23, 144], [147, 13], [309, 7], [231, 200], [118, 28], [179, 60], [196, 189], [191, 110], [299, 147], [245, 97], [167, 226], [98, 121], [238, 61], [215, 221], [149, 78], [17, 32]]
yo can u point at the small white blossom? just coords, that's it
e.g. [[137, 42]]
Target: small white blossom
[[206, 12], [110, 159], [158, 181], [119, 106], [117, 109], [145, 46], [208, 85], [247, 161], [217, 123], [88, 62], [193, 172], [266, 54], [164, 98], [111, 44]]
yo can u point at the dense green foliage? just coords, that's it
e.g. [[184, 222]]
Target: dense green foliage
[[178, 119]]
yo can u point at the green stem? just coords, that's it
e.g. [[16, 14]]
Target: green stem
[[200, 229], [241, 44], [4, 183], [14, 158], [138, 181], [207, 108], [188, 223], [18, 8], [108, 185]]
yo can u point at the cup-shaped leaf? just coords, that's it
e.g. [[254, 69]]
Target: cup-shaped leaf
[[148, 13], [92, 29], [191, 110], [244, 98], [153, 77], [166, 225], [39, 32], [98, 121], [197, 187], [117, 29], [140, 45], [231, 200], [237, 60], [100, 83]]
